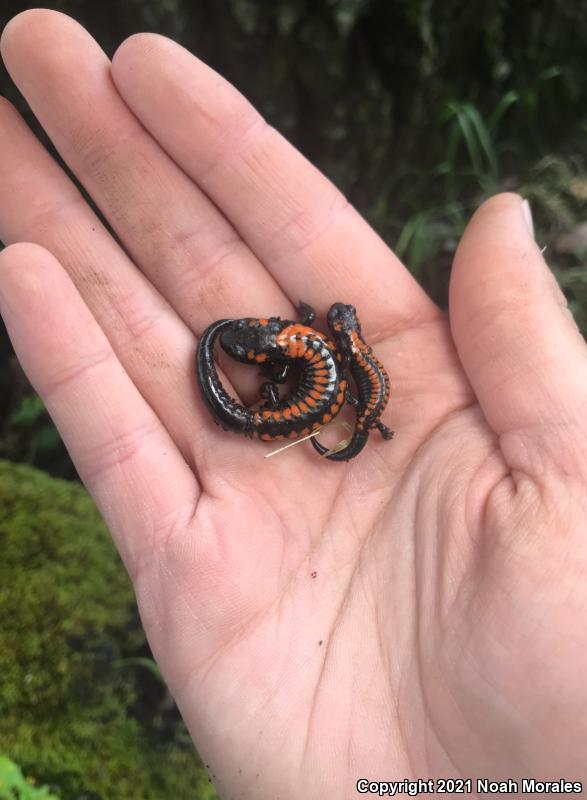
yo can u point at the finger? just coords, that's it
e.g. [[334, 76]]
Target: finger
[[518, 342], [124, 455], [295, 220], [39, 203], [167, 224]]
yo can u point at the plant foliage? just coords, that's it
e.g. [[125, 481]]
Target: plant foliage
[[14, 785]]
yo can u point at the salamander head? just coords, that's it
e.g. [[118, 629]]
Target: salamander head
[[343, 319], [252, 340]]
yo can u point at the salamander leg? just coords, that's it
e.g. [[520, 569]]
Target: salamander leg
[[270, 395], [384, 430], [307, 313], [350, 398], [276, 371]]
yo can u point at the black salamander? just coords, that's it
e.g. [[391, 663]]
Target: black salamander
[[370, 377], [275, 345]]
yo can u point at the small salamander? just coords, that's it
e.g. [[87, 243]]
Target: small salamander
[[370, 377], [274, 344]]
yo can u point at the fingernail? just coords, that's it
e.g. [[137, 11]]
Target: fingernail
[[527, 214]]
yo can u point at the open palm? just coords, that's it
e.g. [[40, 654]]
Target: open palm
[[418, 612]]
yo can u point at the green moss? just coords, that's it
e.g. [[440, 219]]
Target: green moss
[[67, 617]]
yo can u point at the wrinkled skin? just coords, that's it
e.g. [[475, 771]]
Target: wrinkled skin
[[418, 612]]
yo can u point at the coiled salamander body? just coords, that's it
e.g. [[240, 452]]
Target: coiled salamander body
[[274, 344]]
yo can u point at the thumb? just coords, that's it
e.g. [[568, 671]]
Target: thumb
[[518, 343]]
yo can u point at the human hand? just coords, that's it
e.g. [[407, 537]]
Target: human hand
[[418, 612]]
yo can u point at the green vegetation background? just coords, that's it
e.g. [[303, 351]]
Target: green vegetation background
[[417, 110]]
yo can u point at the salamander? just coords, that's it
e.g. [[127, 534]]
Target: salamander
[[370, 377], [275, 345]]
